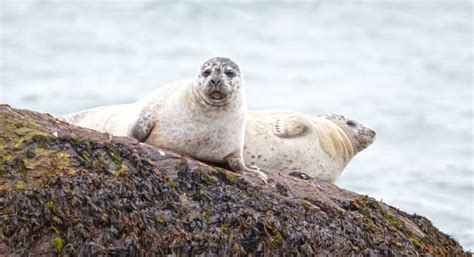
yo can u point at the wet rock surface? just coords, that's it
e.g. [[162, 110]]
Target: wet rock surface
[[66, 190]]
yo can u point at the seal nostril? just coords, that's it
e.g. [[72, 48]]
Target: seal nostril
[[372, 133], [217, 83]]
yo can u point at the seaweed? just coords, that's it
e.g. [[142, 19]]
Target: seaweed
[[66, 190]]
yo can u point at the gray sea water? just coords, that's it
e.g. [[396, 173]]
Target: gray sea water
[[403, 68]]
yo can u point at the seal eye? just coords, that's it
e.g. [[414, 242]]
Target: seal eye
[[206, 72], [350, 123], [230, 73]]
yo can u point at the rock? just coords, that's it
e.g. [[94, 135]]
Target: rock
[[73, 191]]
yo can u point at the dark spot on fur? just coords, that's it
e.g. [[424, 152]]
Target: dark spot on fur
[[300, 175]]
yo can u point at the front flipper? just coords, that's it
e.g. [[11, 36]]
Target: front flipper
[[143, 127], [236, 163], [290, 126]]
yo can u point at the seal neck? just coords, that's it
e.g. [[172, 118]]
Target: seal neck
[[335, 141]]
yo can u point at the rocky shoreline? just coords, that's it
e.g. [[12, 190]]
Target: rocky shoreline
[[72, 191]]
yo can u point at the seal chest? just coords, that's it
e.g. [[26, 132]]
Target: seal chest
[[208, 134]]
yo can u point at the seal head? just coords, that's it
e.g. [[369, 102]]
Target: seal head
[[218, 81], [360, 135]]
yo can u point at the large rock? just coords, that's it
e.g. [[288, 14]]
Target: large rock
[[70, 190]]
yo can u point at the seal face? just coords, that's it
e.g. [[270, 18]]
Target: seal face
[[305, 146], [218, 81], [360, 135]]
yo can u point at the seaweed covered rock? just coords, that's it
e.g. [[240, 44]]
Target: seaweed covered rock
[[72, 191]]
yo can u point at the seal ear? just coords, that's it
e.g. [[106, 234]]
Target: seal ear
[[290, 126], [142, 128]]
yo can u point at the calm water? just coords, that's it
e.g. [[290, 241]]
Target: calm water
[[403, 68]]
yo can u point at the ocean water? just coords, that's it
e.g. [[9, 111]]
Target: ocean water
[[403, 68]]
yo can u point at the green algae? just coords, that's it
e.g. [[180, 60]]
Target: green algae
[[55, 229], [230, 177], [202, 192], [26, 135], [116, 158], [415, 241], [205, 213], [42, 151], [20, 185], [58, 243], [392, 220], [120, 170], [160, 220], [64, 155], [51, 205]]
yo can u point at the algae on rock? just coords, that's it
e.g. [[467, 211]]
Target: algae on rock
[[73, 191]]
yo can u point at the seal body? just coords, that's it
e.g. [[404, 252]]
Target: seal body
[[183, 124], [114, 119], [203, 118], [287, 142]]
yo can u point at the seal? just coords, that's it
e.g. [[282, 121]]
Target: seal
[[203, 118], [292, 143]]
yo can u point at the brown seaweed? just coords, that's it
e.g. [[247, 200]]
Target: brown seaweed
[[66, 190]]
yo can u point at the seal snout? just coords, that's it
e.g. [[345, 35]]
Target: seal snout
[[216, 89], [216, 82], [372, 133], [367, 138]]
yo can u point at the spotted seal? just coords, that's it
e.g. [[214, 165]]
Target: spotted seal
[[204, 117], [293, 143]]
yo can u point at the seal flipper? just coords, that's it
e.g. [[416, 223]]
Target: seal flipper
[[290, 126], [75, 118], [236, 163], [68, 118], [142, 128]]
